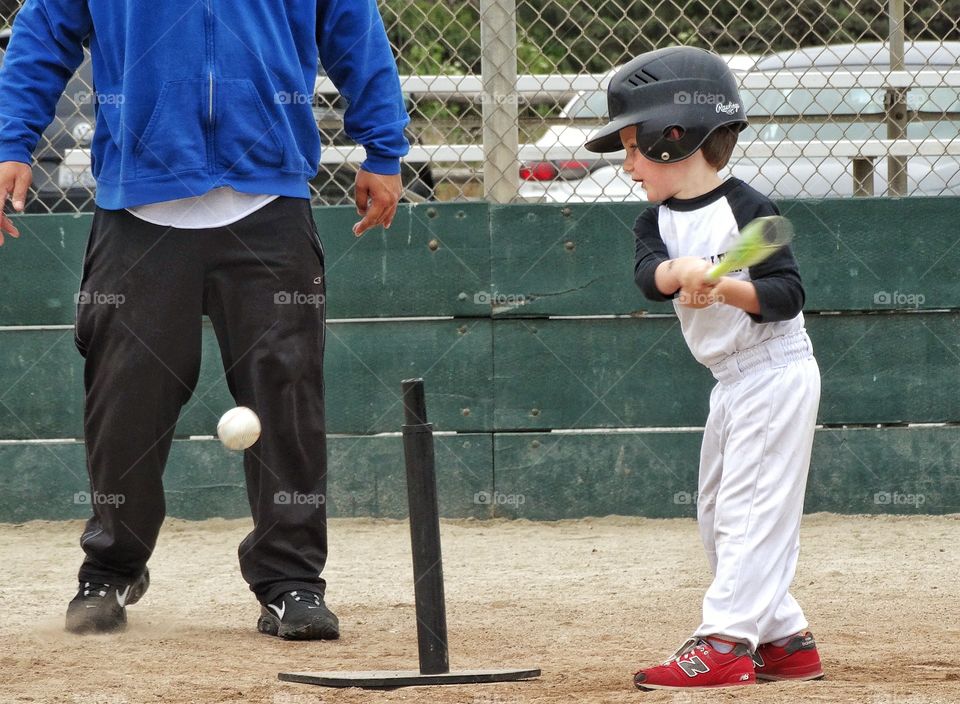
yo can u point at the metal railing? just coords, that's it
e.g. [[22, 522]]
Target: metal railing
[[494, 85]]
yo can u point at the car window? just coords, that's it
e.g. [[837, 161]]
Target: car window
[[835, 101], [934, 99], [590, 104], [801, 101], [855, 131]]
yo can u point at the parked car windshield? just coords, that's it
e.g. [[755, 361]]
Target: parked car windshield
[[591, 104], [855, 131], [845, 101]]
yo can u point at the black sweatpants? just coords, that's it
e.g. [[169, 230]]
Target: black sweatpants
[[144, 290]]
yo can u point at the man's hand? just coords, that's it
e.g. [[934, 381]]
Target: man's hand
[[376, 197], [15, 178]]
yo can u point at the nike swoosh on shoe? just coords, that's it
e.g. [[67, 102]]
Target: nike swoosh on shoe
[[122, 598]]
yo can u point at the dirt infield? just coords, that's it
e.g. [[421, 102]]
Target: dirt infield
[[587, 601]]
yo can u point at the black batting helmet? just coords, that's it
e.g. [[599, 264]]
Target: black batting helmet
[[676, 97]]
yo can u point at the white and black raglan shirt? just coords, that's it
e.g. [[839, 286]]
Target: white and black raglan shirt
[[706, 227]]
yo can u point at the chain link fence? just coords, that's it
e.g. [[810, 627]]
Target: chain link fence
[[856, 97]]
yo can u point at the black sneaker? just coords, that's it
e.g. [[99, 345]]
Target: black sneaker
[[299, 615], [101, 608]]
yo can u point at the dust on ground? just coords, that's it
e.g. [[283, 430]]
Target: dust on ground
[[587, 601]]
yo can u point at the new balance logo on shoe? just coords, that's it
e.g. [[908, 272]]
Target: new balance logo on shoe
[[693, 667], [279, 612]]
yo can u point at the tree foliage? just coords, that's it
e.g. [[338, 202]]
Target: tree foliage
[[574, 36]]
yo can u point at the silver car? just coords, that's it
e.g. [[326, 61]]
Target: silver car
[[785, 114]]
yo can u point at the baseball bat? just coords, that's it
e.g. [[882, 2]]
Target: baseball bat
[[758, 240]]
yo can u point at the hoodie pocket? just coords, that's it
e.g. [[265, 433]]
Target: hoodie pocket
[[173, 141], [246, 135]]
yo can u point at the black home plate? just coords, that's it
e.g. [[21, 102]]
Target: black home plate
[[405, 678], [427, 574]]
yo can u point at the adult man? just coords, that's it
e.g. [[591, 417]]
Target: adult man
[[202, 152]]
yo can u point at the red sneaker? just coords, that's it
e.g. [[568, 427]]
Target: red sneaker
[[798, 659], [698, 665]]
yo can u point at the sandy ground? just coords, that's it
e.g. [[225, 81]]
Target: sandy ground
[[587, 601]]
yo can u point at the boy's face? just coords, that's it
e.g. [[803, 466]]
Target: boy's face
[[660, 181]]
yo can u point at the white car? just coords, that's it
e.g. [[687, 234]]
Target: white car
[[782, 115]]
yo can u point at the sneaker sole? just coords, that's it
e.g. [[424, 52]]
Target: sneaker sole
[[652, 687], [94, 627], [797, 678], [271, 626]]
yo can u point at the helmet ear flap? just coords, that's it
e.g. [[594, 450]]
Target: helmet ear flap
[[673, 133], [670, 143]]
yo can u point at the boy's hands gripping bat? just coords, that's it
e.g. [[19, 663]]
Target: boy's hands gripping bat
[[758, 240]]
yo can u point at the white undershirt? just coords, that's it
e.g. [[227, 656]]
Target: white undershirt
[[215, 208]]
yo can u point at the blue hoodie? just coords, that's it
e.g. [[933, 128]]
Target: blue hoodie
[[196, 94]]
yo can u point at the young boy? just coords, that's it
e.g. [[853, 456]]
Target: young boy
[[677, 112]]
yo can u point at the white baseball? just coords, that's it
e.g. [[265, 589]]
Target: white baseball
[[238, 428]]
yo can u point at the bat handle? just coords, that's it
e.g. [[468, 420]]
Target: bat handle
[[715, 272]]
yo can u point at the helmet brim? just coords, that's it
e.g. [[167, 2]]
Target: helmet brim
[[607, 138]]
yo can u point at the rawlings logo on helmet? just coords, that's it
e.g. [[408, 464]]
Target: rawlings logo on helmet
[[730, 108]]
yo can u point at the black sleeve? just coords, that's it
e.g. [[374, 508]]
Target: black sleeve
[[779, 289], [650, 253], [777, 280]]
